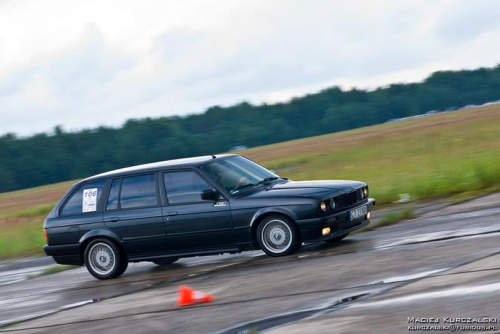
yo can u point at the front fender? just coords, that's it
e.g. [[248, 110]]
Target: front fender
[[278, 210]]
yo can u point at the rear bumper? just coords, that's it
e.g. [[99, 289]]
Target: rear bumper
[[65, 254], [338, 223]]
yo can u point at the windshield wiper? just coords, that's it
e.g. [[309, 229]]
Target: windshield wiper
[[243, 187], [267, 180]]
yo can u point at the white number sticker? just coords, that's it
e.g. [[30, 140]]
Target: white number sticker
[[89, 200]]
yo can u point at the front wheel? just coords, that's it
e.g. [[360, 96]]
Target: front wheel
[[278, 236], [104, 260]]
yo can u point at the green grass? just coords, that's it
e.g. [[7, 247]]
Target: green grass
[[30, 212], [425, 162], [22, 239]]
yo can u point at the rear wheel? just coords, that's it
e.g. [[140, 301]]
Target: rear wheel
[[278, 236], [104, 260], [165, 261], [337, 239]]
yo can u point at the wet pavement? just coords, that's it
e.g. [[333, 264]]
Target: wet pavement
[[442, 264], [469, 293], [22, 269], [24, 298]]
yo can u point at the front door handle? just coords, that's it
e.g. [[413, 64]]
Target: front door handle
[[112, 219], [172, 213]]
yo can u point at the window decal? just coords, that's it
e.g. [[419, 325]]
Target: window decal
[[89, 200]]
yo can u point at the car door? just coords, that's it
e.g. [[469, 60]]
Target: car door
[[134, 213], [191, 222]]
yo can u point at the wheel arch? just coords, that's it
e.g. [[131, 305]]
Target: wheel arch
[[100, 234], [262, 214]]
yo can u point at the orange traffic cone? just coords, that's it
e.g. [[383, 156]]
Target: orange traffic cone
[[188, 296]]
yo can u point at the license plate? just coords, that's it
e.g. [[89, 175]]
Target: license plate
[[358, 212]]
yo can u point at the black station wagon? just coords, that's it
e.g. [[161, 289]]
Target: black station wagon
[[164, 211]]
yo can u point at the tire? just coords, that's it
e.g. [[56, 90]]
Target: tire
[[336, 239], [104, 260], [123, 265], [278, 236], [165, 261]]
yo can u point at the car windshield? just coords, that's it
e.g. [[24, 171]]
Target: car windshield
[[238, 174]]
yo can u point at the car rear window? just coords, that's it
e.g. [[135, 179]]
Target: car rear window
[[85, 199]]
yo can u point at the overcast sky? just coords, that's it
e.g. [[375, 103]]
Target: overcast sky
[[81, 64]]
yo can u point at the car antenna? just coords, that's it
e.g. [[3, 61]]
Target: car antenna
[[213, 156]]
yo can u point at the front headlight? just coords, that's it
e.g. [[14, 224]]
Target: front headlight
[[332, 204], [365, 192], [322, 206]]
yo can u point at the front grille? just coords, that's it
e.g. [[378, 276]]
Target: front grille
[[348, 199]]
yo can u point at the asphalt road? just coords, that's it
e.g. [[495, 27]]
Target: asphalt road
[[441, 266]]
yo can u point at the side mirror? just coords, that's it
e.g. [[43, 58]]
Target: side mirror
[[210, 195]]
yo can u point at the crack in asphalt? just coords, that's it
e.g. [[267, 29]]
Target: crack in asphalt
[[286, 318], [293, 317]]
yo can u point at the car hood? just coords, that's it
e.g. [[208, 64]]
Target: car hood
[[307, 188]]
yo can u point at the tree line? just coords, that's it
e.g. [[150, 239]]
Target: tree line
[[47, 158]]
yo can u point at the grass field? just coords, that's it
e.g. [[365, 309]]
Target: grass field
[[436, 156]]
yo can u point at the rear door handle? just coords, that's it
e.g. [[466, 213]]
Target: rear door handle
[[112, 219], [172, 213]]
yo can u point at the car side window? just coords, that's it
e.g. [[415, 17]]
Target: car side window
[[85, 199], [138, 191], [184, 187], [114, 191]]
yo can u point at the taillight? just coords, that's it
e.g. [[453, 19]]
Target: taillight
[[45, 234]]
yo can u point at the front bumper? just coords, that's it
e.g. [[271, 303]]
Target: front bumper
[[338, 223]]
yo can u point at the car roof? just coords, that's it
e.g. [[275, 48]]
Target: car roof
[[154, 166]]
